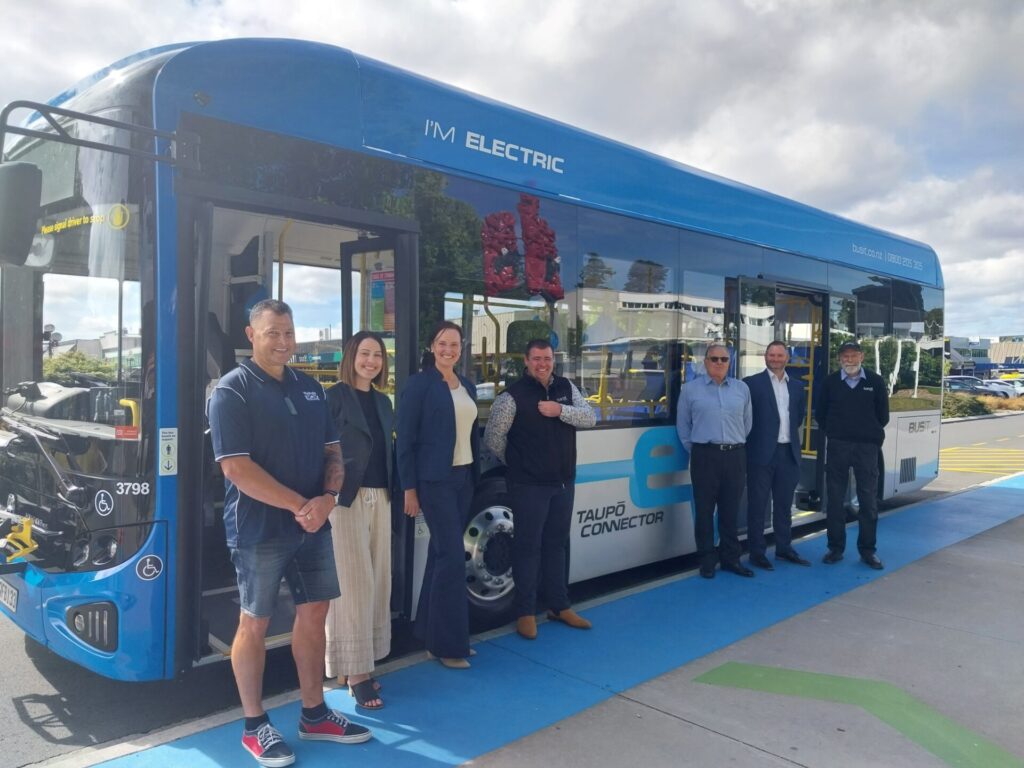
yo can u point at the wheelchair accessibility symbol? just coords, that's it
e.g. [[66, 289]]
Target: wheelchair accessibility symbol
[[149, 567], [104, 503]]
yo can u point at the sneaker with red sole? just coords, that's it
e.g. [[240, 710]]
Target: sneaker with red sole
[[334, 727], [268, 746]]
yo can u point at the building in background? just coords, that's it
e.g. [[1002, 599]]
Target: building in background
[[1008, 352]]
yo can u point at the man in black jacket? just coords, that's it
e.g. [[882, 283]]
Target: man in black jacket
[[853, 409], [532, 428]]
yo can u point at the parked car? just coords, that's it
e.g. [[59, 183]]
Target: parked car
[[988, 387], [959, 387], [1001, 385]]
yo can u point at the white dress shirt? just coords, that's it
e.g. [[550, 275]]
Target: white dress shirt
[[781, 389]]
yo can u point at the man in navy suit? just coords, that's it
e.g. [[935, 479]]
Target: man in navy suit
[[773, 455]]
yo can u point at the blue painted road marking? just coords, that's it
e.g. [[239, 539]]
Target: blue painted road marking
[[439, 716]]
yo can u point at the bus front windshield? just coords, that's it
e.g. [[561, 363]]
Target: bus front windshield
[[73, 358]]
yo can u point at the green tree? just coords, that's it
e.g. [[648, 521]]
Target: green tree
[[934, 323], [931, 367], [451, 255], [646, 277], [60, 369], [595, 273]]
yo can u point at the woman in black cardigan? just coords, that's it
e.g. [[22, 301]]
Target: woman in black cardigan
[[359, 622]]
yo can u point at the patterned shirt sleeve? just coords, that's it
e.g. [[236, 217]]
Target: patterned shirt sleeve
[[499, 422], [579, 414]]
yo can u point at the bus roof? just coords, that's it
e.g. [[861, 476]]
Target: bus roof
[[333, 96]]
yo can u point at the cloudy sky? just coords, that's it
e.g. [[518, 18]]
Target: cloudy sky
[[904, 115]]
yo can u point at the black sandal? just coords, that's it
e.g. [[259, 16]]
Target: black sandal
[[376, 683], [364, 692]]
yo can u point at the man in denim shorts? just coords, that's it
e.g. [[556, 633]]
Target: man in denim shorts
[[279, 452]]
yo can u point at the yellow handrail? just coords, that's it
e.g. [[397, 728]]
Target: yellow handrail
[[132, 405]]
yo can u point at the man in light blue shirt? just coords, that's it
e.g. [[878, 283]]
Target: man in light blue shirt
[[713, 422]]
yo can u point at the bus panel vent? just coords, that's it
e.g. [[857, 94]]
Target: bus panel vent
[[95, 624]]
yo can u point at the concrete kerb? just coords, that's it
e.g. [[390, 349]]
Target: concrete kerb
[[996, 415]]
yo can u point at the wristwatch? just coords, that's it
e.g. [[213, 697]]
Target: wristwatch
[[335, 494]]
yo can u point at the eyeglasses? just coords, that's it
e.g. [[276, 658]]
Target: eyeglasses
[[718, 359]]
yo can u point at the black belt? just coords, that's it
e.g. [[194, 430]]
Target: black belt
[[721, 446]]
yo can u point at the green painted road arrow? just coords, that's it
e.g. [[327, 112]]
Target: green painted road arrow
[[917, 721]]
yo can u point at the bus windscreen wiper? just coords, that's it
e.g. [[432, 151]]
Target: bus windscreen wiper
[[69, 493]]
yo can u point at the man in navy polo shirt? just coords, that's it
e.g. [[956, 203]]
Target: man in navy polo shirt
[[279, 452]]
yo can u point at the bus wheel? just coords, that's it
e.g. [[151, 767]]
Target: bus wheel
[[852, 509], [488, 541]]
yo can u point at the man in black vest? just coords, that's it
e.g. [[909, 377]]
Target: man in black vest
[[532, 428], [853, 409]]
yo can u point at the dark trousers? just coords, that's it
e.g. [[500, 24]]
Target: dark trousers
[[776, 481], [442, 614], [542, 514], [841, 456], [718, 479]]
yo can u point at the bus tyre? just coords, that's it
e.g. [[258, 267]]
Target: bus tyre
[[852, 508], [490, 588]]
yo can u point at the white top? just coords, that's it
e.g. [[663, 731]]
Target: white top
[[781, 388], [465, 417]]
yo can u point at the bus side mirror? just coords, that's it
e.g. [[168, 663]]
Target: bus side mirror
[[21, 189]]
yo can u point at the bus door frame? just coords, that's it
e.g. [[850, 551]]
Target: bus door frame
[[817, 369], [828, 341], [734, 327], [809, 496], [403, 542], [197, 200]]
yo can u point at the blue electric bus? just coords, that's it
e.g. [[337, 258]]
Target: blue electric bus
[[145, 210]]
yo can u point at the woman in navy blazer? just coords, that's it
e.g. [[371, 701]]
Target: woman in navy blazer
[[773, 467], [438, 447]]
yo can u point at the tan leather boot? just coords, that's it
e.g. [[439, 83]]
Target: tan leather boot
[[570, 617]]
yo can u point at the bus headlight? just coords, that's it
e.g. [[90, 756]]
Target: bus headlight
[[80, 553], [104, 550]]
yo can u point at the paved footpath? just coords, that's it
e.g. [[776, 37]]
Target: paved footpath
[[921, 664]]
